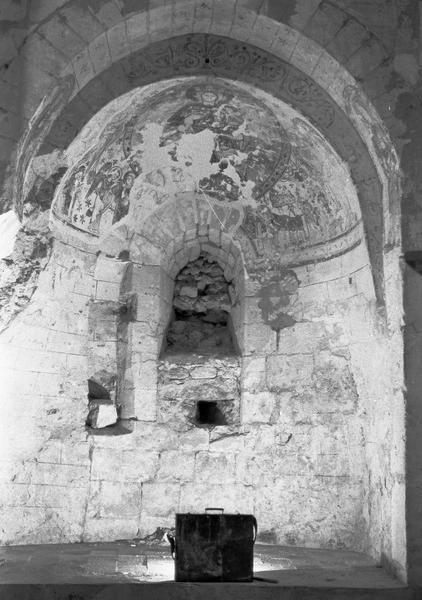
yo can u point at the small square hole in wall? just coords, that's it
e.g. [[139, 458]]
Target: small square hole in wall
[[208, 413]]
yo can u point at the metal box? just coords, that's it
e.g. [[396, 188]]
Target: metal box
[[214, 547]]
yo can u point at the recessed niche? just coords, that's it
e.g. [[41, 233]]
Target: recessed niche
[[202, 301], [209, 413]]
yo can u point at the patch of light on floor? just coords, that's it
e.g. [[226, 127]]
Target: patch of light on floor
[[162, 568]]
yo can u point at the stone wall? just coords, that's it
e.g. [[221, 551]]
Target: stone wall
[[298, 455], [87, 55], [185, 380]]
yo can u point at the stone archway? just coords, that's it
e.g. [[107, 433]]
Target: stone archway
[[340, 110]]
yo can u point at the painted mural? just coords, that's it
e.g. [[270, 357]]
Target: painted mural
[[219, 141]]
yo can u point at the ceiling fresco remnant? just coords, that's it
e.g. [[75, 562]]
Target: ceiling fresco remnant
[[258, 167], [214, 56]]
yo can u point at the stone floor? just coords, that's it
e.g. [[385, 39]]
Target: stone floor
[[127, 569]]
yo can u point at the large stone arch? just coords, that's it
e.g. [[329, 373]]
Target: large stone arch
[[272, 55]]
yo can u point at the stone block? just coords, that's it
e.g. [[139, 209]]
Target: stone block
[[152, 437], [143, 342], [102, 415], [227, 439], [160, 499], [176, 466], [117, 41], [9, 125], [107, 13], [59, 475], [232, 497], [114, 243], [315, 294], [137, 30], [61, 37], [257, 407], [146, 279], [242, 23], [8, 49], [113, 500], [139, 466], [203, 16], [106, 290], [9, 95], [203, 372], [264, 32], [302, 338], [41, 361], [71, 343], [38, 52], [110, 269], [259, 338], [325, 70], [183, 16], [83, 68], [366, 59], [145, 372], [256, 469], [211, 390], [215, 467], [102, 356], [325, 23], [364, 282], [160, 23], [195, 439], [284, 371], [80, 19], [171, 372], [179, 415], [109, 464], [12, 11], [341, 289], [48, 384], [146, 403], [285, 41], [148, 308], [347, 40], [100, 53], [306, 54]]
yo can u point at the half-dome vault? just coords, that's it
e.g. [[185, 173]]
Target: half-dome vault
[[264, 171]]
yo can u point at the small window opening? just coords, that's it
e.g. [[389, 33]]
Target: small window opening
[[208, 413]]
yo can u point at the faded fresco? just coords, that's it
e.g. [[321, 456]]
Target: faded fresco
[[220, 141]]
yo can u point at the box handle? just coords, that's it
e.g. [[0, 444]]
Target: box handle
[[255, 526], [221, 510], [172, 541]]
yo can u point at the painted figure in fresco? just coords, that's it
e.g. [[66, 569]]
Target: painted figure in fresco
[[73, 193], [122, 205], [106, 188]]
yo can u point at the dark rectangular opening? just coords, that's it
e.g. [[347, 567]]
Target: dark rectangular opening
[[208, 413]]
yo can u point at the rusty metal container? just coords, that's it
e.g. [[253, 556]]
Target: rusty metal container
[[214, 546]]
